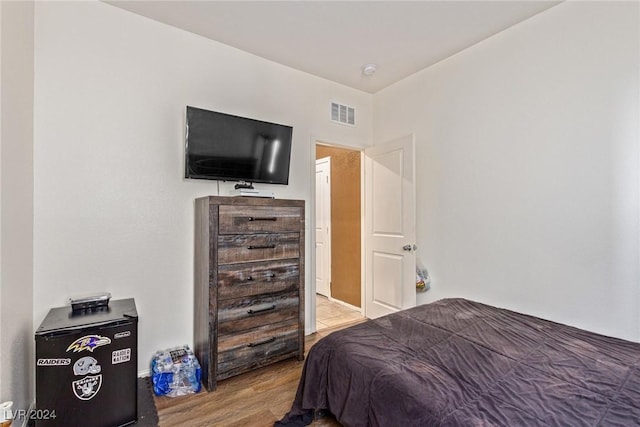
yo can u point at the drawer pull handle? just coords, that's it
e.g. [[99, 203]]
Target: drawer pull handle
[[268, 276], [263, 342], [262, 310], [252, 247], [263, 218]]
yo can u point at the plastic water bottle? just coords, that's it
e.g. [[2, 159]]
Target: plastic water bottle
[[175, 372]]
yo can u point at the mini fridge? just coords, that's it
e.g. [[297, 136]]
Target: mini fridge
[[86, 366]]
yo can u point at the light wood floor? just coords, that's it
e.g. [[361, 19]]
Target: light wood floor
[[257, 398], [330, 313]]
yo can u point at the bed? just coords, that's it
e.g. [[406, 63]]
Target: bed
[[457, 362]]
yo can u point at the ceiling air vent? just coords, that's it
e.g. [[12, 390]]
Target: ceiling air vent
[[343, 114]]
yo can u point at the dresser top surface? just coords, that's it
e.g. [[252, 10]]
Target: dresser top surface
[[251, 201]]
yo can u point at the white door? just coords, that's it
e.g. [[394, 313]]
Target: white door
[[390, 261], [323, 226]]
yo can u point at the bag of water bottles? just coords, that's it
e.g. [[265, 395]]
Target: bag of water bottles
[[175, 372]]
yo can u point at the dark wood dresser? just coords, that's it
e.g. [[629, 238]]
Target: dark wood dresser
[[249, 284]]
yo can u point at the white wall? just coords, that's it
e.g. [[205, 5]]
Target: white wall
[[16, 200], [112, 209], [528, 167]]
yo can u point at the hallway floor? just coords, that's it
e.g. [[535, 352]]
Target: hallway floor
[[330, 313]]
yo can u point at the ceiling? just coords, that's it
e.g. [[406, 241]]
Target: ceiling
[[334, 39]]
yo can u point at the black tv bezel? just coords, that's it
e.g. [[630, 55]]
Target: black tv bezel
[[187, 175]]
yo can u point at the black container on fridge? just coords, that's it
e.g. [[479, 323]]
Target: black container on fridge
[[86, 366]]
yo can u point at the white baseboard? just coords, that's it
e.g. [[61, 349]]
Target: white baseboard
[[145, 373]]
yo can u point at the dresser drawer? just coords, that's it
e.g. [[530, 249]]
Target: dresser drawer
[[258, 219], [257, 247], [256, 278], [240, 314], [241, 352]]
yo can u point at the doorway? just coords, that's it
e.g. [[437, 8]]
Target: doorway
[[338, 236]]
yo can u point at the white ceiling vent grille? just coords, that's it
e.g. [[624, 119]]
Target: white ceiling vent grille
[[343, 114]]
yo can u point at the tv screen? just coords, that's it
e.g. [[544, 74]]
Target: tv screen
[[231, 148]]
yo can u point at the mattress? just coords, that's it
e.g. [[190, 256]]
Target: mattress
[[457, 362]]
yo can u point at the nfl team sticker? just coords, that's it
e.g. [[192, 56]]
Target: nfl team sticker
[[86, 365], [120, 356], [88, 387], [54, 362], [88, 342]]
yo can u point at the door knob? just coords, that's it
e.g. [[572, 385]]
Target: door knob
[[409, 248]]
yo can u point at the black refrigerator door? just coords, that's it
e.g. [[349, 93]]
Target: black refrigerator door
[[87, 377]]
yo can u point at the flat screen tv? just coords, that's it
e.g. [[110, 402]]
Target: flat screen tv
[[230, 148]]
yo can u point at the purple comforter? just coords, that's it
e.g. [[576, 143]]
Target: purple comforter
[[461, 363]]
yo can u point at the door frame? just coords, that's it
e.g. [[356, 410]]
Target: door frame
[[310, 326]]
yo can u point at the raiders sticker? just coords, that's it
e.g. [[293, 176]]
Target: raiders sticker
[[88, 342], [120, 356], [87, 387], [122, 334], [86, 365], [54, 362]]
